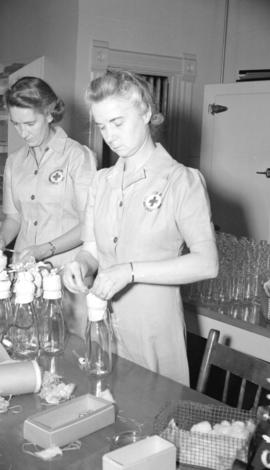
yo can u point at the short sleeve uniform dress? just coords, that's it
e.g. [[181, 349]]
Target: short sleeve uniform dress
[[48, 199], [161, 207]]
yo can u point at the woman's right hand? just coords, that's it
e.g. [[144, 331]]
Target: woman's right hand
[[74, 278]]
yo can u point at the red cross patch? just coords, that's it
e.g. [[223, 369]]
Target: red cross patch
[[56, 176], [153, 201]]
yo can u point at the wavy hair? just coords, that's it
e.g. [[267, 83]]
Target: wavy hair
[[35, 93], [127, 85]]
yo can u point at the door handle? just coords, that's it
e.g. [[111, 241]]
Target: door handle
[[266, 172], [214, 108]]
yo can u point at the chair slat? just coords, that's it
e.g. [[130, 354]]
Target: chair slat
[[226, 387], [241, 393], [257, 397], [248, 368]]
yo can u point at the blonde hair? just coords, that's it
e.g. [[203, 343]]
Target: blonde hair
[[126, 85]]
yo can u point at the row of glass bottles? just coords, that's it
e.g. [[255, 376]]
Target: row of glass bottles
[[237, 291], [31, 324]]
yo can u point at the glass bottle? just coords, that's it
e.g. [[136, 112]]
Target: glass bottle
[[38, 304], [39, 273], [259, 442], [51, 321], [5, 306], [98, 337], [24, 330]]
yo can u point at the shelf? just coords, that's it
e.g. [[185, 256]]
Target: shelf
[[243, 336]]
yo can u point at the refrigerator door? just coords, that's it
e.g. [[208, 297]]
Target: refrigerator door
[[235, 156]]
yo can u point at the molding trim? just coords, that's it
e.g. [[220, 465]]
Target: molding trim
[[153, 64]]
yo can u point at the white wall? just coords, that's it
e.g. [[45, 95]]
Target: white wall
[[169, 28], [63, 31], [33, 28], [248, 37]]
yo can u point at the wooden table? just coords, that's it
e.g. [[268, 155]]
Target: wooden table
[[139, 395]]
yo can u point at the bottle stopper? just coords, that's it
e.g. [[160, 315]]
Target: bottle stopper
[[24, 288], [4, 285], [3, 261], [52, 286], [96, 307]]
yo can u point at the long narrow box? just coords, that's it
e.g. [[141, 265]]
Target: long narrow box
[[68, 421], [150, 453]]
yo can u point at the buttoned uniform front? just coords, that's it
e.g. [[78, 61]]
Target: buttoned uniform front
[[48, 199], [149, 218]]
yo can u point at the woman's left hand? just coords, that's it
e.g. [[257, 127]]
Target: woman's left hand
[[111, 280], [24, 256]]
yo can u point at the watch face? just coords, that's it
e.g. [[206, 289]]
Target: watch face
[[53, 248]]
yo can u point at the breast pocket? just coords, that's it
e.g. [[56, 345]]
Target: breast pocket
[[51, 192]]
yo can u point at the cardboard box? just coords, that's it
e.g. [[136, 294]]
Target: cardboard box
[[69, 421], [149, 454]]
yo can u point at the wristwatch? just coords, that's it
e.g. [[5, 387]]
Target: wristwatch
[[53, 248]]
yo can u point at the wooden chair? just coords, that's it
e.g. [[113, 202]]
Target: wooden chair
[[249, 369]]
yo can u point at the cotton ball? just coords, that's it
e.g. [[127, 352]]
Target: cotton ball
[[203, 427], [250, 425], [238, 430]]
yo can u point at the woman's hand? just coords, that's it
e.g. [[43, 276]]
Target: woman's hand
[[111, 280], [35, 251], [74, 278]]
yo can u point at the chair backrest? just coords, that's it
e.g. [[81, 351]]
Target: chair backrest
[[249, 368]]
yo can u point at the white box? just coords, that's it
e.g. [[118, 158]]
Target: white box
[[150, 453], [69, 421]]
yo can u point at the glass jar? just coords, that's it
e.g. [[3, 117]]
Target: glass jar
[[24, 330], [98, 337], [51, 318]]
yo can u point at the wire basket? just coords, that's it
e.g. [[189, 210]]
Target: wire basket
[[210, 450]]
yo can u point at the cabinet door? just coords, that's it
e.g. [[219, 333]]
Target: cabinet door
[[235, 146], [35, 69]]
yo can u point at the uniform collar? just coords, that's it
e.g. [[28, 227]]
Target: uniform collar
[[158, 160], [57, 143]]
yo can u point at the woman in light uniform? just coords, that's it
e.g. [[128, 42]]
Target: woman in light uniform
[[139, 215], [46, 180]]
